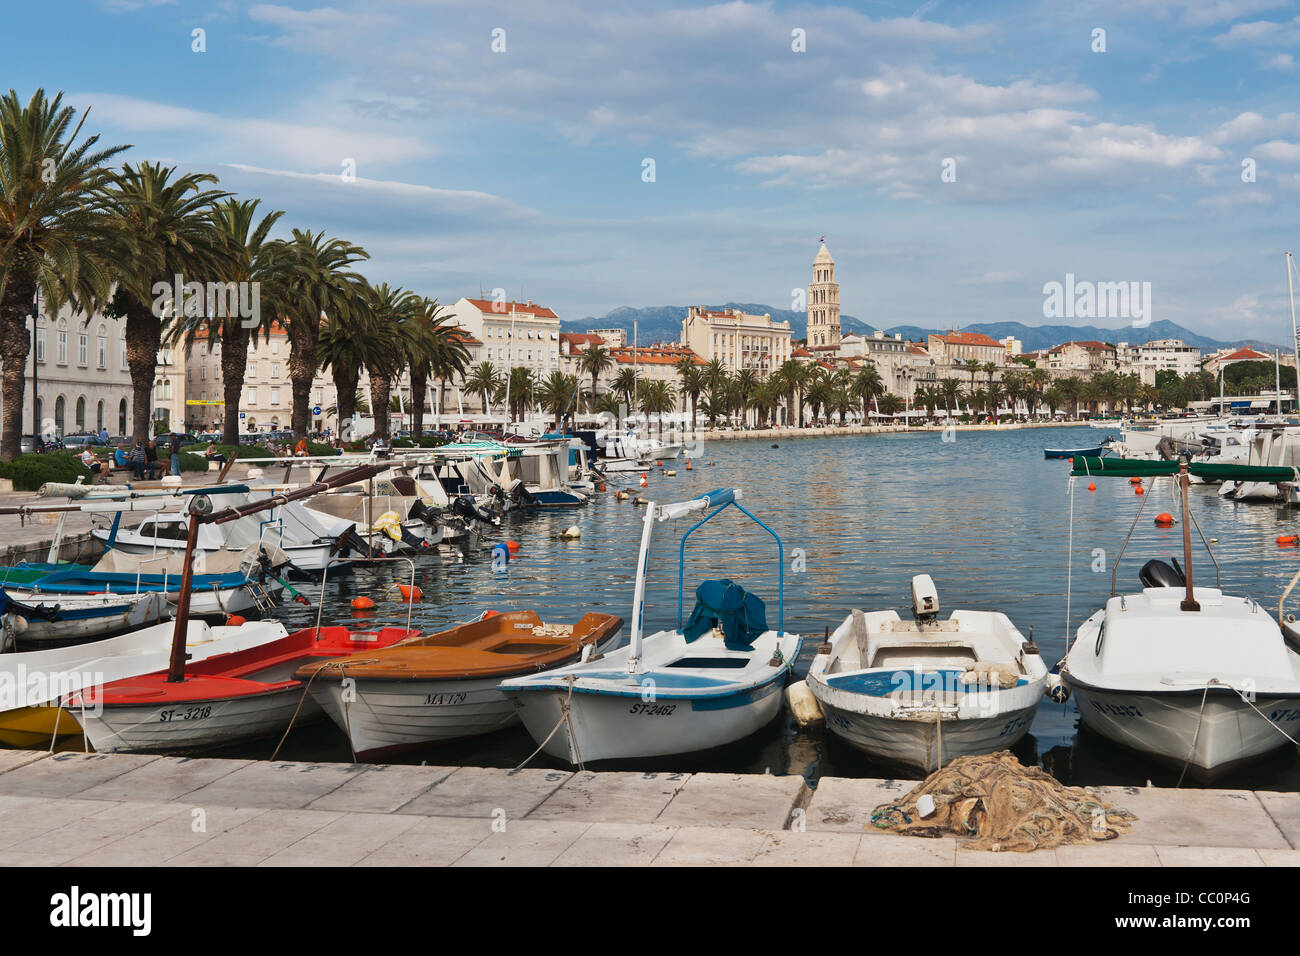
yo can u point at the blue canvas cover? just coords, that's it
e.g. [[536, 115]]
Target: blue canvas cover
[[742, 616]]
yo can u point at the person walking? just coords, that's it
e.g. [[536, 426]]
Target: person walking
[[174, 443]]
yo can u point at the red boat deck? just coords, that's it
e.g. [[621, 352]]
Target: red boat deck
[[234, 675]]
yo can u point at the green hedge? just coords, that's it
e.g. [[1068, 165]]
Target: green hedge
[[231, 451], [29, 472], [193, 462]]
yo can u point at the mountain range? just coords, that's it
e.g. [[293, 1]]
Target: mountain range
[[658, 324]]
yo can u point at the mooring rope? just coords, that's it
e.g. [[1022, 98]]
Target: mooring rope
[[564, 718], [342, 666]]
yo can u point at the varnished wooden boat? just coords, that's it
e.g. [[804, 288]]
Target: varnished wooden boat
[[444, 686]]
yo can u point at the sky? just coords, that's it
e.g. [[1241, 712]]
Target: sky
[[957, 157]]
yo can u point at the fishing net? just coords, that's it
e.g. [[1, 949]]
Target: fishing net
[[1003, 805]]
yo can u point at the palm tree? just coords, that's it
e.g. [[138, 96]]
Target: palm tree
[[347, 345], [439, 351], [49, 203], [595, 361], [312, 279], [818, 394], [558, 393], [246, 239], [692, 383], [951, 389], [396, 311], [994, 394], [890, 404], [866, 386], [625, 384], [746, 384], [1038, 379], [657, 398], [168, 220], [486, 381], [793, 376], [523, 389]]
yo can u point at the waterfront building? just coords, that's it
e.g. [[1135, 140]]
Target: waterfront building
[[738, 339], [514, 334], [1146, 359], [1086, 358], [83, 383], [956, 348], [611, 338], [1216, 362]]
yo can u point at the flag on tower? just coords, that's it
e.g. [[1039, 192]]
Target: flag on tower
[[822, 239]]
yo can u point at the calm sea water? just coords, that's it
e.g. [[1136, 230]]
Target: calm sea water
[[986, 515]]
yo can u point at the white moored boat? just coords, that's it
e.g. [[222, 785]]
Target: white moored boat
[[1194, 677], [918, 693], [52, 620], [713, 680]]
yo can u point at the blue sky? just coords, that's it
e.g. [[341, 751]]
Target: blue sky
[[522, 169]]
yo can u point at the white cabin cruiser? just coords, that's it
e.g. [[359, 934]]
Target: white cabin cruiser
[[919, 693], [1190, 675]]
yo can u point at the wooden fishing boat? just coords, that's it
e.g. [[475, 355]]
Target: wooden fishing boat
[[33, 682], [711, 681], [1091, 450], [445, 686], [919, 693], [52, 620], [224, 699]]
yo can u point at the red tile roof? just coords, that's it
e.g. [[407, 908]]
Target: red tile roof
[[490, 306], [1246, 353], [578, 339], [969, 338], [1092, 345], [655, 355]]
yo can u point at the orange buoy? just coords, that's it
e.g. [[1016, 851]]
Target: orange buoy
[[659, 463], [601, 486], [688, 464], [1164, 518], [410, 592], [1137, 490], [513, 546], [1135, 480], [1092, 486], [488, 614], [362, 604], [234, 620], [1288, 539], [643, 481]]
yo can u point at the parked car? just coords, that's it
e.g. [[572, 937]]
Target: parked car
[[80, 441], [31, 444]]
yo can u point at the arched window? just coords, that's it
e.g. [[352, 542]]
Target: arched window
[[81, 413], [58, 416], [121, 417], [99, 416]]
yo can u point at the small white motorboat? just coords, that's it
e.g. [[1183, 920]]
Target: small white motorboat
[[918, 693], [48, 620], [1189, 675], [713, 680]]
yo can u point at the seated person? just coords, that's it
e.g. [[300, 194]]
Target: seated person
[[300, 450], [139, 461], [212, 454], [152, 464], [120, 458], [91, 461]]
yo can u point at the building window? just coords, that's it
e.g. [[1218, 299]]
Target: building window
[[203, 373], [81, 412], [99, 417], [101, 351], [83, 353], [62, 354], [275, 396], [125, 366], [275, 370], [121, 417], [58, 408], [275, 346], [40, 345]]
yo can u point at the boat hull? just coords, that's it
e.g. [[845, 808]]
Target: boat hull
[[387, 716], [84, 619], [923, 742], [607, 727], [1164, 725]]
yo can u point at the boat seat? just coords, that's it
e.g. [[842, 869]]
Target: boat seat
[[903, 655]]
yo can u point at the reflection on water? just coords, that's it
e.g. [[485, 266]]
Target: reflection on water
[[986, 515]]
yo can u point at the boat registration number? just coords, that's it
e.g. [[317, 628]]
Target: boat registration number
[[1287, 715], [438, 700], [1117, 710], [1014, 724], [191, 713], [652, 710]]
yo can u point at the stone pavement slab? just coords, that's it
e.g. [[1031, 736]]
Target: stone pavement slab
[[525, 843], [616, 844], [382, 788], [760, 801], [280, 785], [1227, 818], [167, 778], [612, 797], [488, 792], [844, 804], [68, 774], [712, 846], [432, 841]]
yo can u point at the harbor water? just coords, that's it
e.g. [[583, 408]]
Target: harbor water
[[982, 512]]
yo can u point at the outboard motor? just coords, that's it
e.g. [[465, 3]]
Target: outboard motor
[[412, 540], [1158, 574], [925, 598], [420, 512]]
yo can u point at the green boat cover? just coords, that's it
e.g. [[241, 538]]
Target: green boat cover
[[1084, 466]]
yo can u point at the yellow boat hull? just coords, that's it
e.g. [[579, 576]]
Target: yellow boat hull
[[35, 727]]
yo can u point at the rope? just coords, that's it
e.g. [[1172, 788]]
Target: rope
[[342, 666], [1069, 568], [58, 714], [1200, 717], [564, 718]]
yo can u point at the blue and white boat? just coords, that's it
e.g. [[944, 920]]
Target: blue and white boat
[[55, 620], [918, 693], [713, 680]]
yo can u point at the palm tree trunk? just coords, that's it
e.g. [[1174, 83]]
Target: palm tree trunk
[[15, 343], [234, 364], [345, 388], [419, 393], [381, 388], [143, 340], [302, 369]]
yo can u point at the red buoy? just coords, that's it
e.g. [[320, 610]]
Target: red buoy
[[362, 604], [1135, 480], [1092, 486], [234, 620], [1285, 539], [1137, 490], [410, 592], [1164, 518], [513, 546]]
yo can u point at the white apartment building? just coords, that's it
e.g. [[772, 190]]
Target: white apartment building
[[82, 380], [1172, 355], [740, 340], [514, 334]]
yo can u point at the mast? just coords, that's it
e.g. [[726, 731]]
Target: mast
[[1189, 602], [1295, 334], [638, 596]]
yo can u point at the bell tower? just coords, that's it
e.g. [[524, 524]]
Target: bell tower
[[823, 302]]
